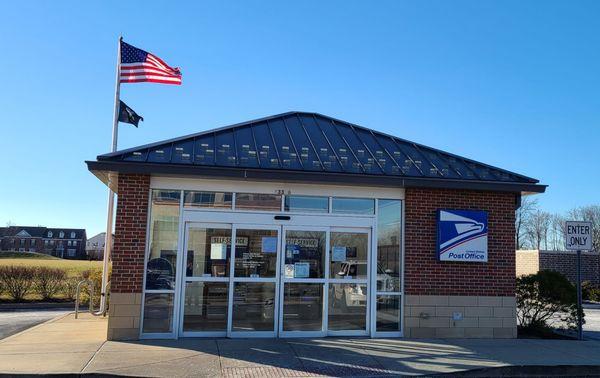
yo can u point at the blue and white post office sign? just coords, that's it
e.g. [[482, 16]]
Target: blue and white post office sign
[[462, 235]]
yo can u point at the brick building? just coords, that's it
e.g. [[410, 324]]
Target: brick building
[[304, 225], [565, 262], [68, 243]]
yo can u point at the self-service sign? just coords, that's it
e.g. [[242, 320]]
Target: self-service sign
[[578, 236]]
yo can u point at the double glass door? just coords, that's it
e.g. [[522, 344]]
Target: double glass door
[[245, 280]]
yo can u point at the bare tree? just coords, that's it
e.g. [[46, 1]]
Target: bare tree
[[591, 214], [537, 229], [557, 232], [522, 217], [10, 223]]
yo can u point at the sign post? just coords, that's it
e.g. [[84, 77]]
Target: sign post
[[578, 237]]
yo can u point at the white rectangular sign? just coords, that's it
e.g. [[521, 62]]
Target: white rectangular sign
[[578, 236]]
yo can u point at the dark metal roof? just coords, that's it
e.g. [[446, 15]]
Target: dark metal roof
[[41, 232], [309, 143]]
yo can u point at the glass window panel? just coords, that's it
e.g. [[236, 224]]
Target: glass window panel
[[304, 254], [246, 147], [324, 149], [290, 158], [307, 204], [353, 205], [264, 144], [164, 232], [225, 148], [348, 255], [208, 199], [388, 313], [303, 146], [205, 306], [389, 229], [253, 306], [158, 313], [303, 307], [347, 307], [204, 150], [256, 201], [256, 253], [209, 252]]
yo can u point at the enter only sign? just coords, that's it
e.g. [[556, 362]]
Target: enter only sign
[[578, 236]]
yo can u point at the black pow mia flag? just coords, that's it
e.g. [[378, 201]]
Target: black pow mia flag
[[128, 115]]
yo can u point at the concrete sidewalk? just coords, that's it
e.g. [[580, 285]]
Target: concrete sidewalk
[[66, 345]]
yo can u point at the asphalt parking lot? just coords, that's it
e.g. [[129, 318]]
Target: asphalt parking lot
[[15, 321]]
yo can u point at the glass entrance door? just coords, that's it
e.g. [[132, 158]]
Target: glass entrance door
[[253, 300], [246, 280], [348, 298], [303, 276]]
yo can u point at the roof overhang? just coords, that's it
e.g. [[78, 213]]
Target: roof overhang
[[108, 171]]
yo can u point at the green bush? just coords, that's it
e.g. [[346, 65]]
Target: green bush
[[545, 298], [17, 280], [590, 292], [47, 282]]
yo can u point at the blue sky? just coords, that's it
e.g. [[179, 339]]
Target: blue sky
[[510, 83]]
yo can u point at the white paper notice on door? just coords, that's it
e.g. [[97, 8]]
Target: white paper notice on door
[[288, 271], [218, 251], [338, 253]]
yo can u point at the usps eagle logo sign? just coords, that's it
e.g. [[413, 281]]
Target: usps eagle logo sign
[[462, 235]]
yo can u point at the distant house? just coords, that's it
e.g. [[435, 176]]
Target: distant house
[[94, 247], [68, 243]]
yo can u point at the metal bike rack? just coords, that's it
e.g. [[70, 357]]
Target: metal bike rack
[[90, 285]]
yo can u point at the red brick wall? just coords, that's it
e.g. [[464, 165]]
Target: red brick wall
[[130, 234], [566, 263], [425, 275]]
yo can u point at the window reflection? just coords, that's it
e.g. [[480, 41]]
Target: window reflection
[[307, 204], [303, 307], [256, 253], [158, 313], [256, 201], [304, 254], [388, 313], [253, 306], [208, 253], [388, 245], [348, 255], [205, 306], [219, 200], [353, 206], [164, 231]]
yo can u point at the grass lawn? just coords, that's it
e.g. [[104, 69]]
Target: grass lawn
[[73, 267]]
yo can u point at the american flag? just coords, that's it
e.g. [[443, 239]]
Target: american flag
[[138, 66]]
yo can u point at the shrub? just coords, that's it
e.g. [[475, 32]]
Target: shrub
[[69, 287], [590, 292], [545, 298], [48, 281], [95, 276], [17, 280]]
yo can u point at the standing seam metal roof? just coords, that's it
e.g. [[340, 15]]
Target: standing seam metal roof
[[302, 141]]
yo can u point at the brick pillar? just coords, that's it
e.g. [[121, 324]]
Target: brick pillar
[[482, 293], [128, 257]]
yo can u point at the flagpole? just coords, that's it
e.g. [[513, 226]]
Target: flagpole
[[111, 195]]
